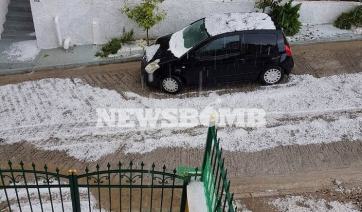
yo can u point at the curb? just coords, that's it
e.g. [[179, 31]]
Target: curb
[[329, 40], [67, 66]]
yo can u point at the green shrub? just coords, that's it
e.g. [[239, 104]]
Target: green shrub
[[349, 19], [344, 21], [287, 16], [115, 44]]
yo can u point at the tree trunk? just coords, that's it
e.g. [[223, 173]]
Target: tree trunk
[[147, 40]]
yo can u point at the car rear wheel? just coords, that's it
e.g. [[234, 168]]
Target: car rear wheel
[[171, 84], [272, 75]]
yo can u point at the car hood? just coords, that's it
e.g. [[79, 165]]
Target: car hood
[[163, 53]]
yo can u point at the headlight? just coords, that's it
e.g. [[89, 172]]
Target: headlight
[[152, 67]]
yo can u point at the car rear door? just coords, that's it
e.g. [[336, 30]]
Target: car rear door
[[259, 51]]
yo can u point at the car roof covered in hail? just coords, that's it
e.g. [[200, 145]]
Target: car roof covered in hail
[[229, 22], [222, 23]]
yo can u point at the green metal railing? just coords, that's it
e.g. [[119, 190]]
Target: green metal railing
[[214, 176], [120, 189]]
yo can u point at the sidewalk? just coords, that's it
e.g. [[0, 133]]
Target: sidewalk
[[48, 59], [22, 57]]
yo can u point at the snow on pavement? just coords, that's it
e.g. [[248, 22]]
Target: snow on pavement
[[61, 114], [23, 50], [46, 205], [319, 31], [304, 204]]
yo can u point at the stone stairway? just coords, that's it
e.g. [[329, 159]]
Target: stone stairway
[[19, 21]]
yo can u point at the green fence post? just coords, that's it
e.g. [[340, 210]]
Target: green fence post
[[187, 179], [209, 139], [74, 190]]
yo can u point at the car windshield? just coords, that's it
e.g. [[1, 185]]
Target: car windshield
[[194, 34]]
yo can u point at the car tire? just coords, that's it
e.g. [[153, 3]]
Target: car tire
[[171, 84], [272, 75]]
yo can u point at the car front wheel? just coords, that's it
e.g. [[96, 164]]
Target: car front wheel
[[272, 75], [171, 84]]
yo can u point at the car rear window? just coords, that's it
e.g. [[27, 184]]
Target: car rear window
[[260, 43]]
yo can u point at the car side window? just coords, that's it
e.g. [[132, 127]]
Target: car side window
[[260, 44], [220, 46]]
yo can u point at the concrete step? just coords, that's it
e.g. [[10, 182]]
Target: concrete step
[[19, 16], [22, 35], [19, 7], [22, 26], [21, 1]]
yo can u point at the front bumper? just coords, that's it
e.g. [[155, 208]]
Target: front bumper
[[144, 74]]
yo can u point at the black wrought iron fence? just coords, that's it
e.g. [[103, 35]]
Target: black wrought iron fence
[[122, 189]]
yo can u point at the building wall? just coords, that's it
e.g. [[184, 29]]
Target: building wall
[[3, 11], [96, 21], [323, 12]]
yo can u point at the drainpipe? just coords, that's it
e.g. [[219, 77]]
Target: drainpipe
[[67, 42], [57, 28]]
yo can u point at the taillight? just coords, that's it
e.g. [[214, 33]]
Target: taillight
[[288, 51]]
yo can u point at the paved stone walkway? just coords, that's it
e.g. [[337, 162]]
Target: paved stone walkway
[[319, 60]]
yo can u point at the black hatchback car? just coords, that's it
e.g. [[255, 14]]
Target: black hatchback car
[[219, 49]]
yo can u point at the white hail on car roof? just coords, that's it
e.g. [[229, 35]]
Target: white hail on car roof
[[177, 44], [222, 23], [230, 22]]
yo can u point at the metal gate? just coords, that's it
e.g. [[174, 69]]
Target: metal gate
[[120, 189]]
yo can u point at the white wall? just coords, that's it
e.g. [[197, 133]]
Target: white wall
[[322, 12], [76, 17], [3, 11]]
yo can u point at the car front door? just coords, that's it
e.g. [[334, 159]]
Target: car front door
[[217, 61]]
